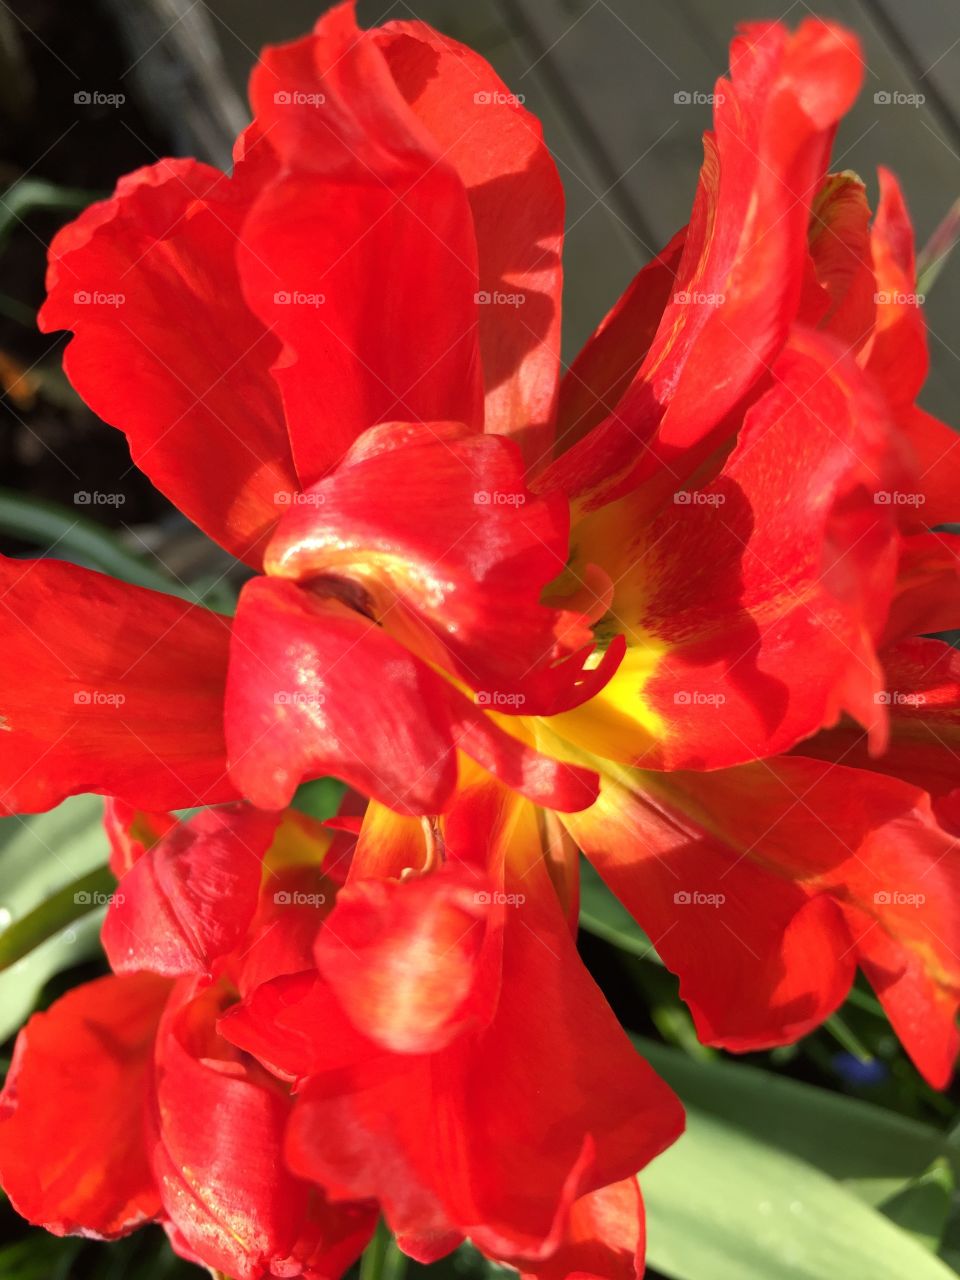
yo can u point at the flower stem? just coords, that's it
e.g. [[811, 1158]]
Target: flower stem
[[81, 896], [382, 1259]]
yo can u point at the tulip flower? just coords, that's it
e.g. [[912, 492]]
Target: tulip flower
[[699, 568], [288, 1046], [125, 1106]]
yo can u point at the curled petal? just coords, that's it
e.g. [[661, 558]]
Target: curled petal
[[189, 899], [604, 1239], [740, 280], [132, 832], [433, 528], [316, 688], [406, 960], [372, 294], [897, 356], [215, 1131], [497, 149]]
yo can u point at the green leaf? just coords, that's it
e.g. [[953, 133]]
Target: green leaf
[[847, 1038], [923, 1206], [933, 256], [74, 536], [34, 193], [603, 915], [55, 914], [723, 1205], [40, 857], [874, 1152], [39, 1257], [319, 798]]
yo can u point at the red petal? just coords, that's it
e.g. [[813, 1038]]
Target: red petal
[[132, 832], [303, 869], [316, 688], [516, 199], [922, 697], [73, 1156], [740, 280], [119, 691], [842, 260], [897, 356], [405, 959], [166, 349], [928, 587], [738, 654], [467, 1141], [455, 568], [217, 1131], [762, 886], [612, 356], [936, 455], [604, 1239], [190, 899], [371, 294]]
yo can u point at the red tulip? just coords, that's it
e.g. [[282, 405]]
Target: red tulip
[[450, 1056], [732, 482], [280, 1056], [124, 1105]]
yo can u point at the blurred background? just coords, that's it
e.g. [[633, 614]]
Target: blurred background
[[90, 91]]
